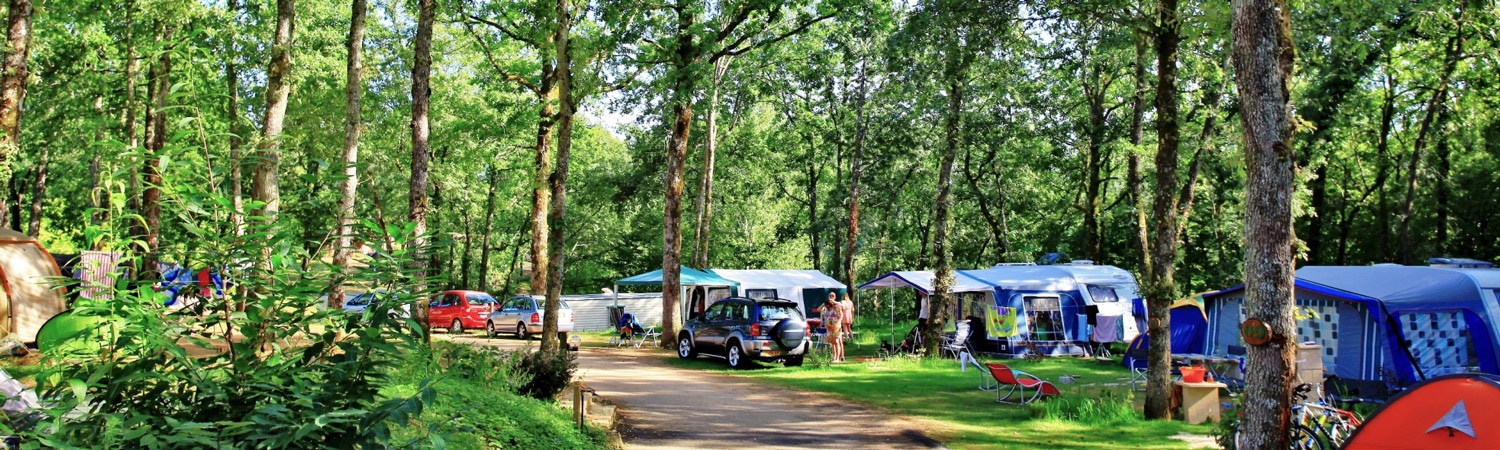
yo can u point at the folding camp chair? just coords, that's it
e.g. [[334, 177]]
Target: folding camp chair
[[1018, 382], [1137, 363], [959, 342]]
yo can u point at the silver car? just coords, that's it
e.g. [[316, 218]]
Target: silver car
[[521, 316]]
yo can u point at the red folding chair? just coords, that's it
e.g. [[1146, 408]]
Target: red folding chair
[[1017, 382]]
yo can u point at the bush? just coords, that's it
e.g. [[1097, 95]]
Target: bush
[[548, 372], [1106, 407]]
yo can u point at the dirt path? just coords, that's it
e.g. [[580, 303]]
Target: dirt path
[[670, 408]]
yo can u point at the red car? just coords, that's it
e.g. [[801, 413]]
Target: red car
[[460, 310]]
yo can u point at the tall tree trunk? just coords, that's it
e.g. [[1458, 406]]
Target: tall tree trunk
[[132, 69], [39, 190], [671, 258], [541, 194], [1133, 177], [558, 209], [1160, 288], [1263, 55], [467, 264], [1093, 170], [489, 229], [236, 133], [856, 169], [267, 187], [353, 89], [421, 73], [940, 301], [814, 223], [1437, 106], [156, 118], [515, 255], [1441, 185], [706, 187], [13, 87]]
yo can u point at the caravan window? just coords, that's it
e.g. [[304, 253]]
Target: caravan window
[[1045, 315], [1439, 342], [1103, 294], [760, 293]]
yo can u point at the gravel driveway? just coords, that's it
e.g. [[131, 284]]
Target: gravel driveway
[[671, 408]]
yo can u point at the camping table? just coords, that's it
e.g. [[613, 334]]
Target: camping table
[[1216, 365], [1200, 401]]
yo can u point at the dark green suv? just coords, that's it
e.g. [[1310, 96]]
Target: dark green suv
[[739, 329]]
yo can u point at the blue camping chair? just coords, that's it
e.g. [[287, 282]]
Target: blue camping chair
[[633, 333]]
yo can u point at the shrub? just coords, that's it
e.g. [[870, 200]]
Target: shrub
[[1108, 406], [548, 372]]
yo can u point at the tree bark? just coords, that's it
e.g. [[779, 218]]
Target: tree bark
[[39, 191], [489, 229], [266, 175], [353, 89], [1133, 177], [541, 194], [558, 209], [13, 87], [236, 137], [1093, 168], [1160, 289], [156, 118], [421, 73], [856, 169], [1263, 55], [940, 300], [1437, 107], [706, 187]]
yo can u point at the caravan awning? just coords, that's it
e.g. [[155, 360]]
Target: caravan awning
[[922, 280], [773, 278], [690, 277]]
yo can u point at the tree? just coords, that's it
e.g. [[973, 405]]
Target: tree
[[353, 89], [421, 92], [1263, 57], [1160, 288], [688, 45], [13, 88], [266, 187], [156, 138]]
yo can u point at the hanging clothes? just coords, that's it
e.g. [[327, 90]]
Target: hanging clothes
[[1001, 321], [1109, 329]]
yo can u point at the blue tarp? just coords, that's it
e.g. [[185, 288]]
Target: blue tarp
[[1189, 328]]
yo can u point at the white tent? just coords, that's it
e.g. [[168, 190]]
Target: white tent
[[784, 284], [922, 280]]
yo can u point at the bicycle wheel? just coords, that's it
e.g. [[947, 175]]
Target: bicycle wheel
[[1304, 438]]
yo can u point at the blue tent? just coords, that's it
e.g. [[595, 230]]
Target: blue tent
[[1386, 321], [1051, 301], [1189, 327]]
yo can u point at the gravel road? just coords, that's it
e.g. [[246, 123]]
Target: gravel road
[[664, 407]]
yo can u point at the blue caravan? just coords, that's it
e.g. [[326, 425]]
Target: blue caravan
[[1057, 309], [1385, 325]]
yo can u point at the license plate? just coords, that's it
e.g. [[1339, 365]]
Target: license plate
[[770, 353]]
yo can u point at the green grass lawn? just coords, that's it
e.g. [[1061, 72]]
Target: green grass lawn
[[962, 416]]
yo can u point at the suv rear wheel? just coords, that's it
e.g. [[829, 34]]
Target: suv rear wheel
[[685, 348], [736, 356]]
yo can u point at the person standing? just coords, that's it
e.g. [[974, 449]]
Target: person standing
[[848, 313], [833, 323]]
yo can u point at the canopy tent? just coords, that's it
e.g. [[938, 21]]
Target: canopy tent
[[29, 299], [688, 277], [1386, 321], [922, 281], [1446, 412], [779, 283]]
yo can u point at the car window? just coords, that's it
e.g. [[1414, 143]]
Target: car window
[[715, 312], [742, 311], [437, 300], [561, 305], [477, 299], [356, 298], [778, 311], [513, 303]]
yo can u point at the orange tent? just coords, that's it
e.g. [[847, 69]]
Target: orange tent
[[1449, 413]]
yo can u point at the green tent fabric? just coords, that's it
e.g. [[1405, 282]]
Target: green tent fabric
[[690, 277], [72, 333]]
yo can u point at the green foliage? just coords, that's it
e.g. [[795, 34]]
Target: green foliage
[[477, 405], [549, 372], [1106, 406]]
